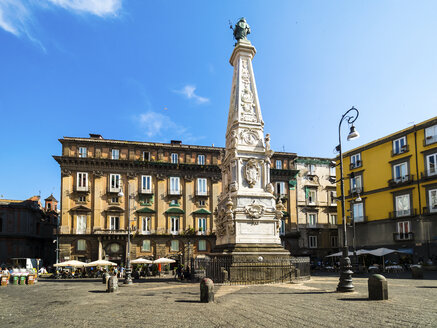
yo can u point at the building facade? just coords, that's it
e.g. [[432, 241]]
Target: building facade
[[27, 229], [167, 193], [396, 179], [315, 234]]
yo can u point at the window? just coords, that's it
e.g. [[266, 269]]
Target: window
[[312, 219], [334, 241], [355, 160], [174, 158], [146, 225], [82, 181], [82, 152], [174, 245], [333, 197], [358, 212], [432, 200], [146, 184], [282, 228], [174, 229], [81, 224], [115, 154], [431, 164], [280, 188], [174, 202], [311, 169], [202, 226], [402, 204], [332, 171], [312, 241], [114, 223], [145, 247], [431, 135], [279, 164], [202, 245], [114, 180], [333, 219], [201, 159], [311, 196], [49, 206], [356, 184], [202, 203], [114, 199], [146, 155], [201, 186], [399, 146], [400, 172], [81, 199], [404, 230], [174, 186], [81, 245]]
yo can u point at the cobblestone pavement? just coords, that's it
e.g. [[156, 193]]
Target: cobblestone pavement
[[153, 303]]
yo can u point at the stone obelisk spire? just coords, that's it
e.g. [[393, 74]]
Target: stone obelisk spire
[[248, 217]]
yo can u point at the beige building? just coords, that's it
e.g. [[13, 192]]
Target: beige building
[[316, 207], [168, 193]]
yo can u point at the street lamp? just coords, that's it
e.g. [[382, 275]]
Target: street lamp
[[345, 282], [128, 279]]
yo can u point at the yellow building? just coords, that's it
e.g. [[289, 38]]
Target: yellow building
[[172, 191], [396, 178]]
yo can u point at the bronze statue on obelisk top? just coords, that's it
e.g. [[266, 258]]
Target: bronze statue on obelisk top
[[248, 217]]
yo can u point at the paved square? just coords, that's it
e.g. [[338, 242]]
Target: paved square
[[152, 303]]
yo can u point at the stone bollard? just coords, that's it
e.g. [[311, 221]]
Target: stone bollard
[[105, 278], [417, 272], [378, 288], [112, 284], [206, 290]]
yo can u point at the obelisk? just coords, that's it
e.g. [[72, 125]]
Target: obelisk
[[247, 216]]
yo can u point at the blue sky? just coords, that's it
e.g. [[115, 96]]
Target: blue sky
[[159, 70]]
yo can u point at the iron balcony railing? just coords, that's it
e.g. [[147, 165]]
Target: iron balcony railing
[[401, 150], [403, 213], [401, 236], [356, 164], [401, 181]]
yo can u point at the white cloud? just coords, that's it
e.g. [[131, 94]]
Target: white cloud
[[189, 92], [17, 16], [96, 7], [157, 125]]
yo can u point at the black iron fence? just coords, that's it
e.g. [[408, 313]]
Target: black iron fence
[[228, 270]]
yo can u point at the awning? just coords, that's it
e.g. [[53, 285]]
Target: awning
[[145, 210], [201, 211], [175, 210]]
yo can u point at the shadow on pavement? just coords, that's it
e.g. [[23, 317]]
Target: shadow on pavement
[[97, 291], [426, 286], [71, 280], [187, 301]]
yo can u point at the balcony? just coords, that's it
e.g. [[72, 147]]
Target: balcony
[[111, 231], [403, 213], [429, 174], [356, 190], [401, 150], [400, 236], [84, 189], [311, 203], [355, 165], [174, 193], [146, 191], [114, 190], [401, 181], [200, 193]]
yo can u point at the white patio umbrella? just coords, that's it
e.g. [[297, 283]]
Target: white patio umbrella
[[381, 251], [100, 263], [141, 261], [340, 254], [71, 263], [164, 260]]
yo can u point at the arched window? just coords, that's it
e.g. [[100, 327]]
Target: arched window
[[201, 246]]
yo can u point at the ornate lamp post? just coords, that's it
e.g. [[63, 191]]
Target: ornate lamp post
[[345, 283], [128, 279]]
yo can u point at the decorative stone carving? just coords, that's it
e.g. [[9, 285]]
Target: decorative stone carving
[[255, 211], [188, 178], [233, 187], [251, 172], [131, 175], [66, 172], [267, 141], [250, 137], [160, 177], [98, 174], [269, 188]]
